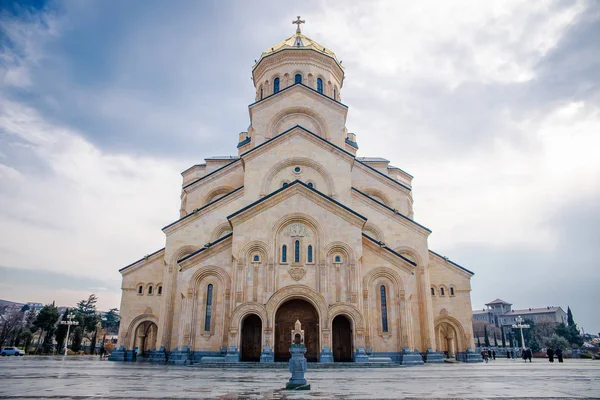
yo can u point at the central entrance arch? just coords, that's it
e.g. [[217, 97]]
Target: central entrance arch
[[285, 318], [342, 339], [251, 338]]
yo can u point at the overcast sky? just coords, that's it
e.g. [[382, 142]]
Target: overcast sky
[[493, 106]]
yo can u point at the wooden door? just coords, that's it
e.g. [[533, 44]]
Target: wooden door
[[285, 319], [251, 338], [342, 339]]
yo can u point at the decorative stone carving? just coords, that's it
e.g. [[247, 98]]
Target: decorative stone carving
[[148, 310], [297, 229], [443, 312], [297, 273]]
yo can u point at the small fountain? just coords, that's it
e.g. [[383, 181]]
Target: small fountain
[[298, 361]]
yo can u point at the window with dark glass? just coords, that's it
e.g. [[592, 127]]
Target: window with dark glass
[[297, 251], [284, 184], [276, 85], [334, 93], [149, 289], [209, 293], [432, 291], [384, 317], [310, 184], [441, 291], [160, 290], [284, 253], [255, 258], [338, 259], [261, 93], [451, 291], [140, 289], [310, 256], [319, 85], [298, 78]]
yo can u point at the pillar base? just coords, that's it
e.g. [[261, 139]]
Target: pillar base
[[434, 357], [267, 356], [180, 357], [470, 356], [410, 357], [233, 355], [361, 356], [158, 356], [326, 356], [118, 354]]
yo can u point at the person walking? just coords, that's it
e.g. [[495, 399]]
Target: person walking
[[559, 354], [508, 354], [493, 354], [550, 354], [528, 354], [484, 355]]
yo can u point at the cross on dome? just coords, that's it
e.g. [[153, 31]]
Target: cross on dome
[[298, 21]]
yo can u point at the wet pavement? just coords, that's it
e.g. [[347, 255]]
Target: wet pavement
[[87, 377]]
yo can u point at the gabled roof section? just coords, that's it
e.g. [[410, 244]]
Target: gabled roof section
[[452, 262], [197, 210], [372, 159], [381, 174], [391, 209], [212, 173], [498, 301], [293, 86], [294, 186], [145, 258], [206, 247], [312, 135], [383, 246]]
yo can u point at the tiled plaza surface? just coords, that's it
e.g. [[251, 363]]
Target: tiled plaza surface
[[86, 377]]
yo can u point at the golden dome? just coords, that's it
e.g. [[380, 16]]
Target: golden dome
[[298, 42]]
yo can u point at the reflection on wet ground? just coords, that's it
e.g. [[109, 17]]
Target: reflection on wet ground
[[89, 377]]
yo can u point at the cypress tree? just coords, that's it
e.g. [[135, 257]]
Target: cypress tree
[[486, 337], [478, 341], [503, 338], [495, 339]]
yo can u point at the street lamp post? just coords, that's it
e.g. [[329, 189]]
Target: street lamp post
[[68, 324], [521, 325]]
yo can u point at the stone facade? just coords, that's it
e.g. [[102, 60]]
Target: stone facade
[[296, 222]]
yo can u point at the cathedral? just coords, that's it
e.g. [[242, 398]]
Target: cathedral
[[295, 227]]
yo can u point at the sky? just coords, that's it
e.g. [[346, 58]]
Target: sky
[[493, 106]]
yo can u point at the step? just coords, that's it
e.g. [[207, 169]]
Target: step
[[285, 365]]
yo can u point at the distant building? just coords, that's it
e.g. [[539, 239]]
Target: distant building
[[500, 314]]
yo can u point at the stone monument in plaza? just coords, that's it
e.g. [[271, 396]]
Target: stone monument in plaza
[[296, 226], [298, 361]]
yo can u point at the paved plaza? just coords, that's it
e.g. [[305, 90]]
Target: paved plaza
[[87, 377]]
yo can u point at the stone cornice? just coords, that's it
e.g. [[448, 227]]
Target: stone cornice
[[451, 264], [206, 209], [390, 212], [381, 177], [297, 188], [290, 90], [296, 130], [388, 254], [216, 174], [209, 250], [143, 261], [297, 56]]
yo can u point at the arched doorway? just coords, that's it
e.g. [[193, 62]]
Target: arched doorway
[[251, 338], [285, 318], [446, 337], [341, 331], [145, 338]]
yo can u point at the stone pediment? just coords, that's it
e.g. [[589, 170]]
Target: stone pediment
[[296, 131], [297, 188]]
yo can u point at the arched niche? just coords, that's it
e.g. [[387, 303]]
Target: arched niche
[[310, 170], [303, 116]]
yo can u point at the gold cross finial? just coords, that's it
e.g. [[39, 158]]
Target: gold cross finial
[[298, 22]]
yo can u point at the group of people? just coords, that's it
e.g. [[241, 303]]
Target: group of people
[[526, 354], [486, 354], [551, 353]]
